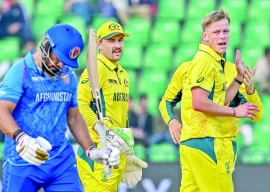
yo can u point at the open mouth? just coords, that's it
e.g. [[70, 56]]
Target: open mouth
[[222, 44]]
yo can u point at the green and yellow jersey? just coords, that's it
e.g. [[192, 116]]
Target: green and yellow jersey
[[114, 90], [206, 71], [174, 91]]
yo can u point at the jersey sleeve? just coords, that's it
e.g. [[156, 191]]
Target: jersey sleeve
[[11, 88], [201, 74], [172, 96], [255, 99]]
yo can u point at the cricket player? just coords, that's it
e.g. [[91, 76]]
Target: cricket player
[[230, 129], [38, 101], [114, 87], [204, 95]]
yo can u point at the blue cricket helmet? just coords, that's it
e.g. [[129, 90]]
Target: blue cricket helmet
[[66, 43]]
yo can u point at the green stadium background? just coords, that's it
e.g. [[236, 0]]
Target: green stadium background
[[156, 48]]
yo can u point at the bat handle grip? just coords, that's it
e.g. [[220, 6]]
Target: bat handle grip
[[107, 169], [103, 141]]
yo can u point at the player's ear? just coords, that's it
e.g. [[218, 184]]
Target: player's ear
[[99, 45], [204, 37]]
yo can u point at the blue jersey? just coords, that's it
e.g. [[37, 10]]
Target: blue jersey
[[42, 104]]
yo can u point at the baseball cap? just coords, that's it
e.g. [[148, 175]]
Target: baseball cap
[[109, 29], [66, 43]]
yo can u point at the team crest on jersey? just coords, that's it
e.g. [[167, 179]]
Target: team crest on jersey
[[126, 83], [65, 78], [74, 53], [227, 167]]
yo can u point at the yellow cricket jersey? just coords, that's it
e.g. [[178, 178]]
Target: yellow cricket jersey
[[114, 90], [207, 72], [230, 124], [173, 93]]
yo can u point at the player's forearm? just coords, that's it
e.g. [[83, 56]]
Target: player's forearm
[[80, 132], [166, 112], [7, 122], [8, 125], [211, 108], [232, 90]]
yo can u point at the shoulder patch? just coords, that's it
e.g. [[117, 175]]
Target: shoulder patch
[[200, 80]]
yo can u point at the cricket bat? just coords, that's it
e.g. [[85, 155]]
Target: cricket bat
[[92, 70]]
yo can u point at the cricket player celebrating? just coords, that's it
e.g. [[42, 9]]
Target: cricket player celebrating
[[230, 129], [114, 87], [202, 85], [38, 100]]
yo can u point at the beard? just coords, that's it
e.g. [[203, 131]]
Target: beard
[[49, 71]]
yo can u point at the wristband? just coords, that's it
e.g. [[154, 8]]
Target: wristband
[[237, 81], [17, 133], [233, 112], [88, 151]]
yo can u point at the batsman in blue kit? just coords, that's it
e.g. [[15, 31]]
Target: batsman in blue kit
[[38, 101]]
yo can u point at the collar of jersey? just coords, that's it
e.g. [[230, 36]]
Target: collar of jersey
[[30, 61], [211, 52], [108, 63]]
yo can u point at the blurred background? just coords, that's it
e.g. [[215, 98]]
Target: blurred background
[[164, 33]]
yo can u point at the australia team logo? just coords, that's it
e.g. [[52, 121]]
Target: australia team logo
[[103, 177], [74, 53], [126, 83], [227, 167], [114, 26]]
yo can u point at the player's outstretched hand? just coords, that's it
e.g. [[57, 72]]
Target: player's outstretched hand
[[249, 80], [175, 128], [246, 110], [98, 155], [239, 64], [33, 150]]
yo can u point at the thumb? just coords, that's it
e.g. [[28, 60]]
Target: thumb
[[138, 161], [113, 151], [44, 143]]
